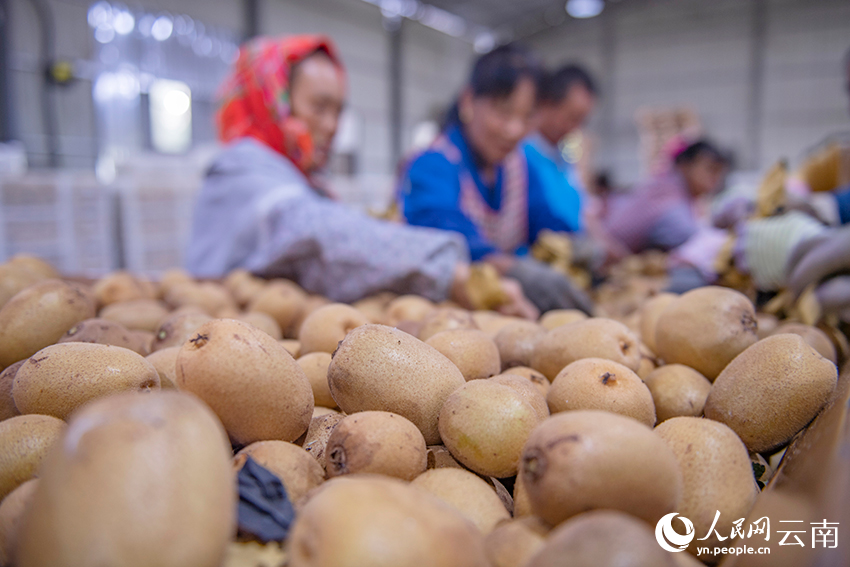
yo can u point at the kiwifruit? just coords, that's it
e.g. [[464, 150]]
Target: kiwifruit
[[374, 307], [349, 518], [84, 513], [165, 362], [533, 376], [281, 301], [248, 379], [677, 391], [105, 332], [767, 323], [377, 442], [484, 425], [491, 322], [467, 493], [39, 315], [12, 511], [471, 350], [62, 377], [705, 329], [516, 343], [325, 327], [24, 441], [559, 317], [771, 391], [591, 338], [243, 286], [213, 298], [602, 538], [7, 402], [717, 475], [600, 384], [292, 346], [522, 505], [514, 543], [122, 286], [588, 459], [13, 280], [445, 319], [315, 366], [296, 468], [816, 338], [136, 315], [316, 439], [171, 278], [407, 308], [529, 392], [648, 315], [439, 457], [310, 304], [177, 329], [381, 368], [264, 322], [35, 265]]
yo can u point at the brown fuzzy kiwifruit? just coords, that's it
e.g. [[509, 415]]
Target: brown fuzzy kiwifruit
[[381, 368], [177, 329], [44, 384], [559, 317], [816, 338], [599, 384], [7, 402], [591, 338], [246, 377], [485, 424], [602, 538], [24, 441], [771, 391], [106, 332], [677, 391], [705, 329], [472, 351], [325, 327], [445, 319], [296, 468], [377, 442], [516, 343], [467, 493], [538, 379], [588, 459], [39, 315], [315, 366], [318, 433]]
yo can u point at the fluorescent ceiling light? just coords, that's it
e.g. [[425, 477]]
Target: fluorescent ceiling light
[[585, 8]]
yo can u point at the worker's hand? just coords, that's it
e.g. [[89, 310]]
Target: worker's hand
[[815, 259], [546, 288], [518, 304]]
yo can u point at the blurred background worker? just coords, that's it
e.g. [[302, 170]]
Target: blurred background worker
[[476, 179], [262, 207], [667, 209], [566, 98]]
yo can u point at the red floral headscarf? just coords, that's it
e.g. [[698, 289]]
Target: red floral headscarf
[[255, 98]]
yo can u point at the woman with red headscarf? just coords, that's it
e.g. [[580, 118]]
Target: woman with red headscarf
[[261, 208]]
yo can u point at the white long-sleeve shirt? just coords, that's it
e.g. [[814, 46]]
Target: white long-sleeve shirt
[[257, 211]]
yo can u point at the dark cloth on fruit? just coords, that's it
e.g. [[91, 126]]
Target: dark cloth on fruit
[[265, 511]]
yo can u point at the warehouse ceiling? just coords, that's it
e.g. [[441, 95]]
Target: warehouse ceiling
[[513, 18]]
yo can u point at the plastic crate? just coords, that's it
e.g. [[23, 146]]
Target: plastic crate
[[156, 218], [67, 218]]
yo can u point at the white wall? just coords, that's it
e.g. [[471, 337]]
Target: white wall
[[434, 67], [701, 54]]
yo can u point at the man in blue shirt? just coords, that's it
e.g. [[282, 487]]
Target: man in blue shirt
[[566, 98]]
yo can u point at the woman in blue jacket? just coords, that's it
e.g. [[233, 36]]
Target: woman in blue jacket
[[475, 179]]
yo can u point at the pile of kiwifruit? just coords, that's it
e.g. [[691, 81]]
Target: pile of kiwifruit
[[406, 433]]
